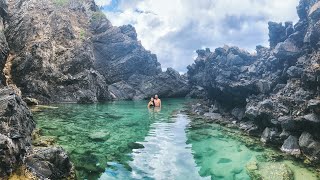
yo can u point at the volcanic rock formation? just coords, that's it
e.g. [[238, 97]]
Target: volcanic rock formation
[[276, 90]]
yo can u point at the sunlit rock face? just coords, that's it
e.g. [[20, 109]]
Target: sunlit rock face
[[277, 87]]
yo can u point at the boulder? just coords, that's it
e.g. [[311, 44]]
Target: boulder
[[270, 135], [50, 163], [287, 50], [238, 113], [291, 146], [294, 72], [287, 123], [310, 147]]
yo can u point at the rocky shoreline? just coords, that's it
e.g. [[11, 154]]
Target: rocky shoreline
[[201, 112], [273, 94]]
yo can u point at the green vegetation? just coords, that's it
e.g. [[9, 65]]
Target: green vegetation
[[60, 2], [97, 16]]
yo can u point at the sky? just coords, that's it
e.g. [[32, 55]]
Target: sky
[[175, 29]]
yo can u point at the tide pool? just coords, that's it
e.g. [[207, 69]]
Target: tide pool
[[126, 140]]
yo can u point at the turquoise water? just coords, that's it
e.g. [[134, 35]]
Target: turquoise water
[[126, 140]]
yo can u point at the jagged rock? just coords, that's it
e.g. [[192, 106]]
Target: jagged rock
[[118, 56], [4, 49], [284, 135], [58, 65], [294, 72], [291, 146], [238, 113], [309, 146], [287, 50], [287, 123], [50, 163], [278, 86], [314, 104], [277, 33], [165, 84], [270, 136], [15, 130]]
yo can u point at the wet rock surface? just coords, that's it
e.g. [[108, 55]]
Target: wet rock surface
[[273, 94]]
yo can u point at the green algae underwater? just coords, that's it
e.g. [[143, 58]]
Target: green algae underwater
[[126, 140]]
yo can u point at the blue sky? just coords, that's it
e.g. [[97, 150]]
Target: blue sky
[[175, 29]]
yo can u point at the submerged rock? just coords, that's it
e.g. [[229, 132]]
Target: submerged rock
[[99, 136], [269, 171]]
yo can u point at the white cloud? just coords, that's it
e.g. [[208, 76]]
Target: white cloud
[[103, 2], [174, 29]]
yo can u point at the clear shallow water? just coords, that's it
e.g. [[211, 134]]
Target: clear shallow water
[[125, 140]]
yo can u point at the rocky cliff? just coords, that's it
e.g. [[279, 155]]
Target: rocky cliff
[[273, 93], [68, 51]]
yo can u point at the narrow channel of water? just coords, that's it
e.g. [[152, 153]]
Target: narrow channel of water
[[125, 140]]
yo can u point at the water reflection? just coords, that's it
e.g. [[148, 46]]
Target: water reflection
[[165, 154]]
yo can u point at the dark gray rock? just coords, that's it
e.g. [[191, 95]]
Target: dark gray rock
[[278, 86], [294, 72], [287, 50], [287, 123], [165, 84], [270, 135], [291, 146], [309, 146], [15, 130], [277, 33], [49, 163], [118, 55], [238, 113], [314, 105]]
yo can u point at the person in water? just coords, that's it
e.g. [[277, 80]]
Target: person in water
[[151, 103], [157, 101]]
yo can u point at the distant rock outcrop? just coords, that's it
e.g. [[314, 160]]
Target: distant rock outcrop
[[277, 88]]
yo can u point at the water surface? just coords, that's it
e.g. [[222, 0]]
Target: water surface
[[126, 140]]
